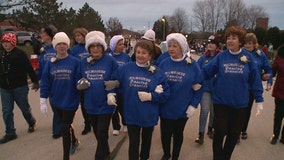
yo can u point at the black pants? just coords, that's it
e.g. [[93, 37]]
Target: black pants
[[228, 122], [115, 117], [67, 130], [134, 141], [278, 117], [172, 128], [84, 113], [100, 125], [248, 113]]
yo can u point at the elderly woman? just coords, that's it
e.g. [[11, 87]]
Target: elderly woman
[[263, 68], [117, 52], [94, 70], [236, 75], [58, 83], [184, 78], [144, 87]]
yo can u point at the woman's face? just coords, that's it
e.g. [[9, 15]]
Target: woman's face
[[79, 38], [119, 47], [44, 36], [96, 50], [61, 48], [7, 46], [142, 55], [175, 49], [211, 47], [249, 46], [233, 43]]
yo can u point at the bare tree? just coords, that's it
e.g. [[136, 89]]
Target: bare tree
[[254, 12], [179, 20], [200, 15], [215, 10], [114, 26]]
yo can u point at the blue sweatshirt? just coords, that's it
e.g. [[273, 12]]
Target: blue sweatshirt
[[45, 56], [134, 78], [79, 51], [181, 76], [234, 79], [96, 72], [262, 64], [58, 82], [121, 58], [161, 58], [207, 85]]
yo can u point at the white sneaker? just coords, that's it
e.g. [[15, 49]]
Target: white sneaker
[[125, 129], [115, 132]]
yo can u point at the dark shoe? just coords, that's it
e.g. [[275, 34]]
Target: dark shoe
[[32, 128], [166, 157], [56, 136], [210, 134], [8, 138], [244, 135], [282, 140], [273, 140], [86, 130], [74, 147], [200, 138]]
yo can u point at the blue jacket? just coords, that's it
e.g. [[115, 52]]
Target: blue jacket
[[96, 72], [79, 51], [58, 82], [45, 56], [234, 79], [181, 76], [132, 79], [121, 58]]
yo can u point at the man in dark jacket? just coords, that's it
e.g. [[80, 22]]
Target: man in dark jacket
[[15, 66]]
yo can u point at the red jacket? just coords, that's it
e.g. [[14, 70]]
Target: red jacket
[[278, 68]]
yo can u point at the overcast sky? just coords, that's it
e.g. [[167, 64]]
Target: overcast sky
[[141, 14]]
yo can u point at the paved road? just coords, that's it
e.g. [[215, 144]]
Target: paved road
[[41, 146]]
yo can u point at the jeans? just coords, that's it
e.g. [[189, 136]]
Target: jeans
[[206, 106], [20, 96]]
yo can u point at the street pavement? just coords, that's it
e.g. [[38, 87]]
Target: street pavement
[[41, 146]]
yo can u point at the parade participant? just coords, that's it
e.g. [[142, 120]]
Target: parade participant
[[206, 103], [144, 87], [236, 74], [58, 83], [116, 51], [278, 94], [264, 69], [184, 78], [15, 66], [79, 51], [94, 70]]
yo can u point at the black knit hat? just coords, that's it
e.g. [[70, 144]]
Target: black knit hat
[[214, 39], [50, 30]]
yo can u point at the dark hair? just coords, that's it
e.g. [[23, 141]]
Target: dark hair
[[238, 31], [146, 44], [50, 30]]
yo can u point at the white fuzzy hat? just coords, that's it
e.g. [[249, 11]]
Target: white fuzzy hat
[[60, 37], [181, 39], [149, 35], [95, 37], [114, 40]]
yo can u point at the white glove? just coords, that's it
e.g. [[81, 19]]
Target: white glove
[[144, 96], [196, 87], [111, 99], [83, 84], [109, 85], [259, 108], [190, 111], [43, 106], [159, 89]]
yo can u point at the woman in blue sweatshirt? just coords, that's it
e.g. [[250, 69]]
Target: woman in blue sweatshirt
[[79, 51], [94, 70], [184, 78], [264, 69], [143, 87], [236, 74], [116, 45], [58, 83]]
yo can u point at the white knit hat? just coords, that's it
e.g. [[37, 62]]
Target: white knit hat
[[95, 37], [149, 35], [114, 40], [181, 39], [60, 37]]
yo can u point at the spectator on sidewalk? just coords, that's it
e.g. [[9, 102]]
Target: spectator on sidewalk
[[15, 66], [58, 83], [278, 94]]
